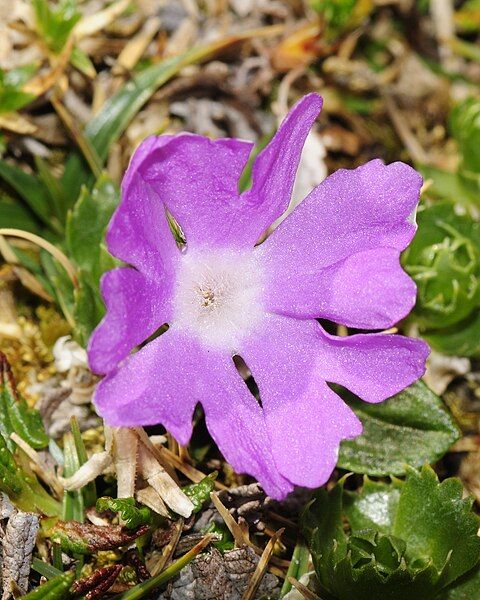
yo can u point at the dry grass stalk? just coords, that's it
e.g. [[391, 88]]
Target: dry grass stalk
[[261, 567]]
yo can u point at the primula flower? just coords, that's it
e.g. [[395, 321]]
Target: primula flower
[[335, 257]]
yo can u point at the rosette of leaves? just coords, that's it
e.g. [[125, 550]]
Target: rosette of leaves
[[444, 260], [413, 539]]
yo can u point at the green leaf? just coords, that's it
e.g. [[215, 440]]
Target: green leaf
[[11, 95], [411, 428], [16, 216], [224, 541], [15, 414], [86, 226], [45, 569], [299, 565], [58, 198], [89, 491], [464, 124], [466, 588], [54, 589], [449, 186], [462, 339], [438, 523], [340, 16], [30, 190], [87, 222], [17, 77], [374, 507], [61, 285], [89, 308], [11, 100], [444, 261], [21, 485], [55, 21], [131, 515], [400, 540], [80, 60], [73, 505], [199, 493]]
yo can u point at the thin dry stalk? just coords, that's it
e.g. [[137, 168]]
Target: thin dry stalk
[[306, 593], [50, 248], [48, 477], [404, 133], [169, 549], [261, 567], [239, 535]]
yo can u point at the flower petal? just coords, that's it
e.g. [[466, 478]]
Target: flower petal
[[373, 366], [275, 168], [164, 381], [139, 233], [306, 420], [136, 308], [197, 180], [367, 290], [351, 212]]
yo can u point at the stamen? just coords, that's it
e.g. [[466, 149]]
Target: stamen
[[217, 296]]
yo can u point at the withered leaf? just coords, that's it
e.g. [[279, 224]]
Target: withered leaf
[[98, 583], [86, 538], [18, 544]]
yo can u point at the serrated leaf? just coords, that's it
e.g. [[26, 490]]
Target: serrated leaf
[[374, 506], [466, 588], [444, 261], [400, 540], [436, 520], [412, 428], [131, 515], [199, 493]]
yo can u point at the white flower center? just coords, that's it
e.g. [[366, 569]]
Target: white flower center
[[218, 296]]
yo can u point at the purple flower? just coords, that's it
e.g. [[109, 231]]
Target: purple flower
[[335, 257]]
